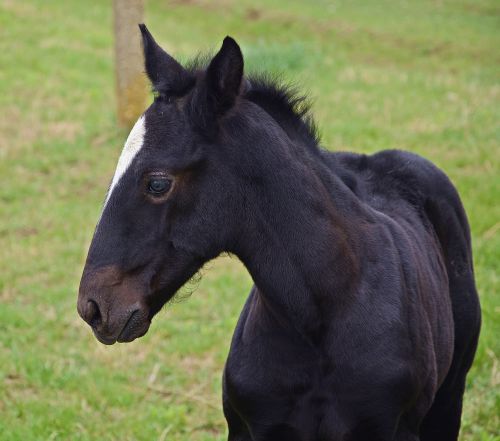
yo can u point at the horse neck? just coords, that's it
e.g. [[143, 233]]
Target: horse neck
[[299, 245]]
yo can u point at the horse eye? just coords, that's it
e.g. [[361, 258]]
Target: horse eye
[[158, 185]]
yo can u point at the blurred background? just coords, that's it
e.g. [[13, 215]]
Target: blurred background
[[417, 75]]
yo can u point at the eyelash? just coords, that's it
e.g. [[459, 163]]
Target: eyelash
[[163, 98]]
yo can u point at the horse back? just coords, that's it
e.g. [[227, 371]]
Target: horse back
[[401, 185]]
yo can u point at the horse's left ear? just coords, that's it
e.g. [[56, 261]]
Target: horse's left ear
[[165, 73], [224, 76]]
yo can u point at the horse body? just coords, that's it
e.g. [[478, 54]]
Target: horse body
[[282, 381], [363, 320]]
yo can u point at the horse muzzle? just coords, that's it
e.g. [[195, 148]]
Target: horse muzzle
[[111, 304]]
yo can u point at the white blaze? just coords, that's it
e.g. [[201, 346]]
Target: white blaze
[[132, 146]]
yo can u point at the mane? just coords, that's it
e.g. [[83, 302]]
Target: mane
[[281, 100], [288, 107]]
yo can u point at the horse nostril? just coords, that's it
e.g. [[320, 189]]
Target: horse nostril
[[92, 314]]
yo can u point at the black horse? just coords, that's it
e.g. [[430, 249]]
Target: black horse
[[364, 317]]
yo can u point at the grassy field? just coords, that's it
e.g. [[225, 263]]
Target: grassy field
[[416, 75]]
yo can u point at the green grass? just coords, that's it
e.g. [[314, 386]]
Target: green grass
[[422, 76]]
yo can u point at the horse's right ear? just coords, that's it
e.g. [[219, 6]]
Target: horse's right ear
[[167, 76], [224, 76], [221, 88]]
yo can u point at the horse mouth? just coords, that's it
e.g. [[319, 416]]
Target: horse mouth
[[136, 326]]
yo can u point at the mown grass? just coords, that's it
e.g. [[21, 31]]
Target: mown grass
[[422, 76]]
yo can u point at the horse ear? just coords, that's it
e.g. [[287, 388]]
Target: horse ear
[[224, 76], [166, 75]]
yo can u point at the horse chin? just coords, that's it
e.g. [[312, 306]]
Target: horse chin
[[159, 298], [135, 327]]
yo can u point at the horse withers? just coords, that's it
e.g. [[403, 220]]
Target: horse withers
[[364, 317]]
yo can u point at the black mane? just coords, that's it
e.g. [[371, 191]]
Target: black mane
[[286, 105], [282, 101]]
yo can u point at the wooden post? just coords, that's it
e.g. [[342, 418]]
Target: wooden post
[[129, 65]]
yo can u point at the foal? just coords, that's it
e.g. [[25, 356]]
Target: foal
[[364, 318]]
